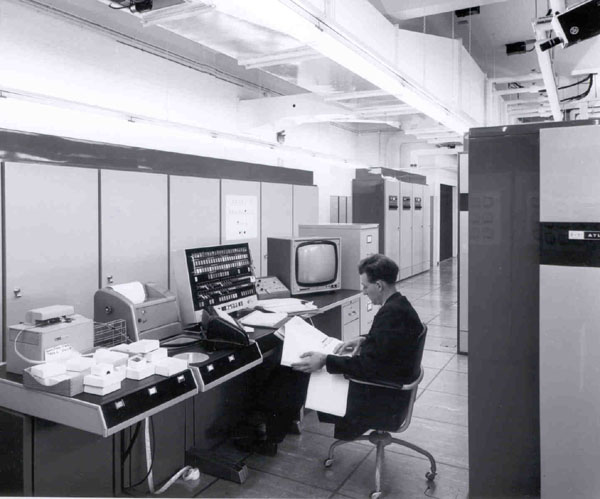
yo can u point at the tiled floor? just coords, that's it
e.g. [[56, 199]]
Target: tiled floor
[[439, 425]]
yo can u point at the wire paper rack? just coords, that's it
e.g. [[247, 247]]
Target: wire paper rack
[[109, 334]]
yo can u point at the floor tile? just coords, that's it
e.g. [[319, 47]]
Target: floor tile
[[458, 363], [428, 376], [448, 443], [442, 407], [436, 360], [441, 331], [312, 424], [441, 344], [436, 300], [180, 487], [451, 382], [403, 477], [264, 485], [447, 318], [426, 314], [301, 457]]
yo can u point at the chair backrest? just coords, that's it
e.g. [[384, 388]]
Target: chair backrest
[[413, 387], [419, 350]]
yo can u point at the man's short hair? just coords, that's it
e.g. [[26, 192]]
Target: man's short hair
[[379, 267]]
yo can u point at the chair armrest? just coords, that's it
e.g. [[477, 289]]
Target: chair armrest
[[389, 384]]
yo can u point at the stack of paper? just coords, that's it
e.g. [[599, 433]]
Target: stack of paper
[[262, 319], [287, 305], [301, 337], [326, 392]]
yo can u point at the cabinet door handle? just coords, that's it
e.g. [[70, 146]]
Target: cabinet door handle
[[18, 293], [109, 279]]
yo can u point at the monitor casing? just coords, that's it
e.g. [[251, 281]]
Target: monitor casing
[[282, 263]]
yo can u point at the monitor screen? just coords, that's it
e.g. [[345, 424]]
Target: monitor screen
[[316, 263]]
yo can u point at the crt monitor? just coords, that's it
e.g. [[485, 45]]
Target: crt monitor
[[306, 264], [221, 277]]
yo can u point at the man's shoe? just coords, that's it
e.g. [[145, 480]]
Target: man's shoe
[[262, 447]]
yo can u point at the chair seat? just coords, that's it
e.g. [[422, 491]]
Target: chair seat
[[380, 436]]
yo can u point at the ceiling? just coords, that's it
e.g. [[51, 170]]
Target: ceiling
[[258, 56], [485, 36]]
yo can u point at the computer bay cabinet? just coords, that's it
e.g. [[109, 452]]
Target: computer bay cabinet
[[358, 242], [402, 210]]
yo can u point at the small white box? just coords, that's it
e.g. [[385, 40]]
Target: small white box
[[102, 369], [104, 390], [102, 381], [121, 347], [48, 369], [156, 355], [104, 356], [138, 368], [170, 366], [79, 364], [144, 346], [121, 372]]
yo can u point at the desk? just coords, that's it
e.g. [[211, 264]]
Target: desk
[[42, 456], [338, 313], [80, 452]]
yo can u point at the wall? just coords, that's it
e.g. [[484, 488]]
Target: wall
[[168, 109], [39, 57]]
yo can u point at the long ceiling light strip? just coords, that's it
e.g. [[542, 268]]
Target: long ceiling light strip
[[65, 104], [292, 18]]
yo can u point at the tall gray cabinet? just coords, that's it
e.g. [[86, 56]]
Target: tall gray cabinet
[[275, 217], [134, 227], [504, 308], [51, 217], [401, 207]]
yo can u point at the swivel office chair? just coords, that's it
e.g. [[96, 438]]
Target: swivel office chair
[[381, 437]]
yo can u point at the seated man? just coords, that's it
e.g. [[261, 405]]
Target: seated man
[[387, 353]]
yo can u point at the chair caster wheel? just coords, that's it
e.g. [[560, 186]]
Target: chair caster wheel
[[430, 475], [327, 463], [375, 495]]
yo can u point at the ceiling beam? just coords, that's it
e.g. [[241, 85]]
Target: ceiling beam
[[513, 79], [284, 57], [364, 94], [174, 13], [396, 109], [533, 89], [410, 9]]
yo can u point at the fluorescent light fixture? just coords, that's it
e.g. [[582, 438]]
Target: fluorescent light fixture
[[293, 18], [33, 105]]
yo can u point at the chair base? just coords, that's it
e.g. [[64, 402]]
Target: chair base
[[381, 439]]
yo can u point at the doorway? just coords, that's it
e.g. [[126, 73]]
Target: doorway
[[445, 222]]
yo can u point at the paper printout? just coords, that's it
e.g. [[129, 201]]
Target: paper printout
[[301, 337], [327, 393], [258, 319], [287, 305]]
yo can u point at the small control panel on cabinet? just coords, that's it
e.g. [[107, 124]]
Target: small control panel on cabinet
[[271, 287]]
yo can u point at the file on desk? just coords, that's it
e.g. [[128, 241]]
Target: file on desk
[[262, 319], [287, 305]]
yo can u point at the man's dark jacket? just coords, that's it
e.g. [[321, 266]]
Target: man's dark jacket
[[390, 352]]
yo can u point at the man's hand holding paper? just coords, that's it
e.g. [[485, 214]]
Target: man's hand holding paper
[[300, 337], [349, 347], [311, 362]]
